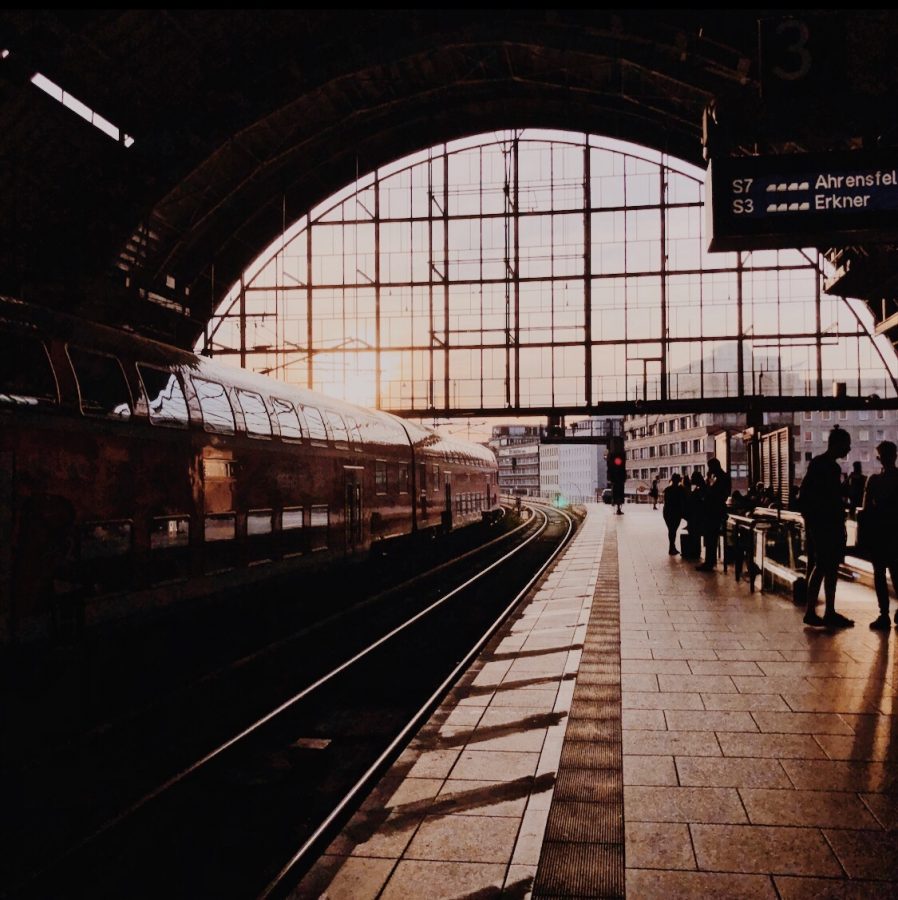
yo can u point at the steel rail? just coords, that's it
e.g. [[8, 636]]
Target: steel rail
[[425, 709], [324, 679]]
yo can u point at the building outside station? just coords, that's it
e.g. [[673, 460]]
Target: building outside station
[[517, 453], [867, 427], [560, 472], [659, 445]]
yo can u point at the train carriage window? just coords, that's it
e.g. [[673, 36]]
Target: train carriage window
[[403, 479], [303, 424], [254, 414], [291, 518], [168, 532], [219, 468], [220, 527], [26, 376], [164, 395], [338, 429], [103, 540], [101, 384], [355, 433], [287, 419], [435, 479], [217, 413], [318, 524], [380, 476], [258, 521], [317, 431]]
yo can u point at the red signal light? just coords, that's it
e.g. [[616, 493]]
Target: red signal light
[[617, 461]]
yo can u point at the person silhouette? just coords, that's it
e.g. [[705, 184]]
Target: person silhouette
[[857, 481], [653, 493], [673, 510], [820, 502], [717, 492], [880, 511]]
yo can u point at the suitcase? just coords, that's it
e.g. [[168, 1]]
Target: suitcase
[[690, 546]]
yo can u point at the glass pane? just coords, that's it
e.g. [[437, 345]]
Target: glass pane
[[217, 413], [355, 433], [221, 527], [338, 426], [292, 518], [168, 532], [304, 426], [165, 397], [258, 522], [319, 517], [101, 540], [254, 413], [287, 420], [101, 384], [316, 424], [26, 376]]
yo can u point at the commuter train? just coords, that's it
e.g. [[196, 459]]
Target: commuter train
[[133, 473]]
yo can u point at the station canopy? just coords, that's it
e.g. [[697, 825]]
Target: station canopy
[[150, 155]]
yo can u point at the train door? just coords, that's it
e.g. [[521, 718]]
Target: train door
[[352, 506], [447, 512], [219, 507], [6, 525], [422, 494]]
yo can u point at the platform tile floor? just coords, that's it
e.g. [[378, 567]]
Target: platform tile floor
[[758, 755]]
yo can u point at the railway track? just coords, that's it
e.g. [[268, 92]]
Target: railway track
[[244, 818]]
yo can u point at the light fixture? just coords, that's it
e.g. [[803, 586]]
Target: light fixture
[[76, 106]]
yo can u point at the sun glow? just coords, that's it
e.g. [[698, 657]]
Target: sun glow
[[358, 388], [355, 378]]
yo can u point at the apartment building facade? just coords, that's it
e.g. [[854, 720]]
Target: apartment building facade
[[659, 445]]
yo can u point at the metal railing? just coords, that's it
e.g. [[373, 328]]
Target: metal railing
[[769, 543]]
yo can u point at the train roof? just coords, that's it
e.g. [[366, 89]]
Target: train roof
[[45, 322]]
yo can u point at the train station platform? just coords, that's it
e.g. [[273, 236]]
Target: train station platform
[[639, 729]]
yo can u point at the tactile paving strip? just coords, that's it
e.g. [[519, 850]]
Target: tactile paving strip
[[591, 822], [580, 870], [593, 729], [597, 785], [583, 849], [602, 754]]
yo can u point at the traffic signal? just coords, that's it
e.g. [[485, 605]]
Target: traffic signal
[[617, 470], [617, 461]]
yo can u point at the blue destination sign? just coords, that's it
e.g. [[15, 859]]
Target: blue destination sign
[[802, 200]]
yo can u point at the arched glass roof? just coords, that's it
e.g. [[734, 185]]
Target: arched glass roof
[[535, 270]]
